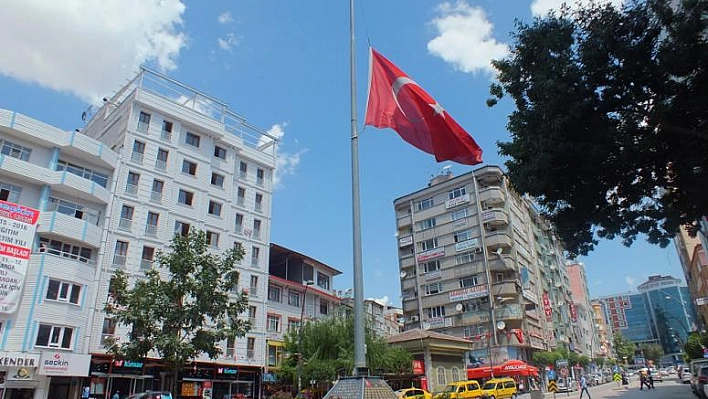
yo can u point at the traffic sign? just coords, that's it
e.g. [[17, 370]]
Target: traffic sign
[[551, 374], [617, 377], [552, 387], [564, 372]]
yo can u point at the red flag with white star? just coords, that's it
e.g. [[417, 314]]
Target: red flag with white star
[[397, 102]]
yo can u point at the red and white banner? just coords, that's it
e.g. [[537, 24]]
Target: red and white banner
[[547, 310], [18, 224], [573, 312]]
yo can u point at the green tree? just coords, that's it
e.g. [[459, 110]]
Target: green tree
[[624, 348], [693, 349], [653, 352], [183, 307], [610, 130], [327, 350]]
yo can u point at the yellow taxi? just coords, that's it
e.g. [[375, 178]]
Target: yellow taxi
[[460, 390], [499, 388], [410, 393]]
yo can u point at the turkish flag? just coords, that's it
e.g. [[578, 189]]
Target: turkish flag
[[397, 102]]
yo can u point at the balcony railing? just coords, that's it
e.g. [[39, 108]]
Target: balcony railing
[[146, 264], [250, 353], [56, 252], [119, 260], [167, 136], [131, 189], [151, 230], [160, 164], [125, 224], [230, 352], [156, 196], [143, 127], [137, 157]]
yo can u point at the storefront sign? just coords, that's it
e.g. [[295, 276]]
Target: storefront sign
[[19, 359], [20, 374], [127, 367], [547, 307], [18, 224], [64, 364], [464, 294], [418, 367], [433, 253], [573, 312]]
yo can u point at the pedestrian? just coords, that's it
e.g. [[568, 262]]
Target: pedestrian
[[584, 387], [642, 381], [650, 380], [116, 395]]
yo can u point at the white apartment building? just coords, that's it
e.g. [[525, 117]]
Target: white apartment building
[[156, 159], [477, 261]]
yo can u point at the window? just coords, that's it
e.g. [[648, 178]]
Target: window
[[138, 151], [240, 196], [192, 139], [230, 347], [456, 374], [460, 214], [189, 168], [166, 130], [324, 307], [14, 150], [260, 176], [185, 198], [273, 323], [431, 289], [74, 210], [143, 122], [460, 236], [153, 219], [63, 291], [437, 311], [431, 266], [212, 239], [161, 161], [10, 192], [275, 354], [50, 336], [238, 227], [250, 347], [59, 248], [467, 257], [217, 180], [131, 185], [258, 203], [255, 254], [293, 326], [120, 254], [214, 208], [253, 291], [426, 224], [457, 192], [252, 312], [219, 152], [126, 217], [156, 193], [182, 228], [294, 298], [88, 174], [442, 380], [323, 281], [273, 293], [469, 281], [428, 244], [256, 229], [109, 329], [425, 204], [243, 170], [147, 257]]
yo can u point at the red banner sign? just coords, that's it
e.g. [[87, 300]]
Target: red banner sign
[[547, 307], [418, 367], [573, 312]]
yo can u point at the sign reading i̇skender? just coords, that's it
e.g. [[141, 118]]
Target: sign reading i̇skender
[[17, 227]]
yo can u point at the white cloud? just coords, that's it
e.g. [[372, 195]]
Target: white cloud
[[225, 18], [286, 163], [228, 42], [465, 38], [384, 300], [88, 48], [630, 281], [541, 7]]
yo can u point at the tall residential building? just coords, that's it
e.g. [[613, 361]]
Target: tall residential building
[[477, 261], [694, 263], [604, 347], [300, 288], [156, 159], [581, 310]]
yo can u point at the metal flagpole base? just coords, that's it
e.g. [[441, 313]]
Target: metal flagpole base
[[361, 387]]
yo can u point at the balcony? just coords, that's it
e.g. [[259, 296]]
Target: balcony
[[71, 227], [506, 288], [500, 263], [497, 239], [492, 196], [509, 312], [495, 217], [404, 221]]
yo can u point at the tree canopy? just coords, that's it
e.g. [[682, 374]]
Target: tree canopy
[[610, 130], [624, 348], [183, 306]]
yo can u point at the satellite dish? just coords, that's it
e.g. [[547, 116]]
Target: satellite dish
[[403, 274], [501, 325], [499, 251], [459, 307]]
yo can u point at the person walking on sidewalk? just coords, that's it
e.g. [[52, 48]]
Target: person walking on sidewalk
[[584, 387]]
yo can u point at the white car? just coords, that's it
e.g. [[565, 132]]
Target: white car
[[686, 376]]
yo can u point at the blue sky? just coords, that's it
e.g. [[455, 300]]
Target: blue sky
[[284, 65]]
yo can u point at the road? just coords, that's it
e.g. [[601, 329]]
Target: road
[[670, 388]]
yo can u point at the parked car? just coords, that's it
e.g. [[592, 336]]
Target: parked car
[[417, 393], [499, 388], [701, 382], [460, 390], [567, 385], [686, 376], [595, 379], [151, 395]]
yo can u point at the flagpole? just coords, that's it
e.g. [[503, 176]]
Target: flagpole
[[359, 354]]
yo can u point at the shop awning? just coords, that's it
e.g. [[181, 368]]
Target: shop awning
[[516, 367], [479, 373]]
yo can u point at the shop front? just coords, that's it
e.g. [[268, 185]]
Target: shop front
[[125, 377], [19, 378], [221, 381], [66, 372]]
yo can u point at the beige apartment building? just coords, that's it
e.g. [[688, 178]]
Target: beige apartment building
[[477, 261]]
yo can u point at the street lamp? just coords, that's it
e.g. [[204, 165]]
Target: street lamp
[[308, 283]]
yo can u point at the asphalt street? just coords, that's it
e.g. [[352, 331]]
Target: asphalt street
[[670, 388]]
